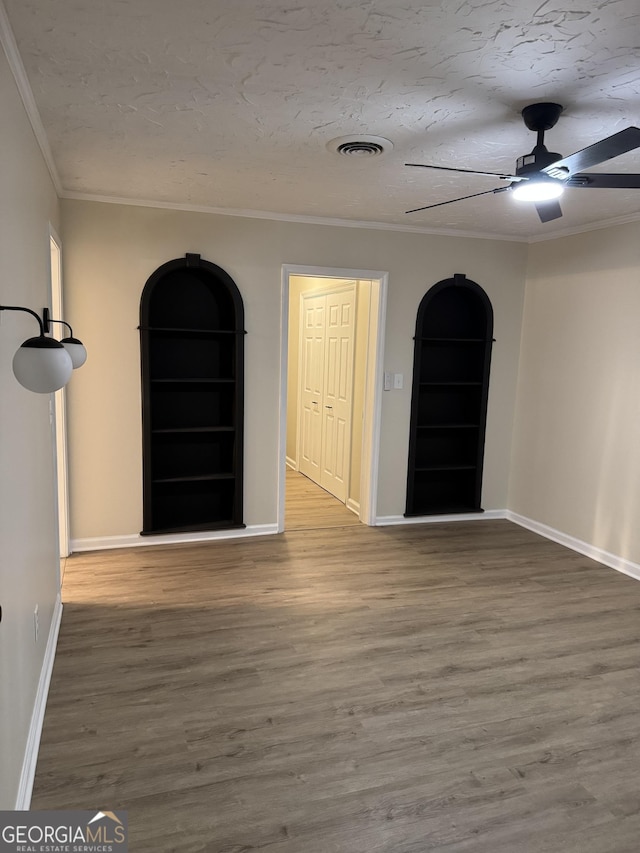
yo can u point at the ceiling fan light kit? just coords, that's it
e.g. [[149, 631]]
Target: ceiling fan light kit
[[542, 176], [538, 189]]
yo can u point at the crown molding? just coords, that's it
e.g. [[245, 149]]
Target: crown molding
[[591, 226], [347, 223], [7, 39], [292, 217]]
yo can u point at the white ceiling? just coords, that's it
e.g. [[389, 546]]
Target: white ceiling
[[230, 104]]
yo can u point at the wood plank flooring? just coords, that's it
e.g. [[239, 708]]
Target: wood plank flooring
[[309, 507], [464, 688]]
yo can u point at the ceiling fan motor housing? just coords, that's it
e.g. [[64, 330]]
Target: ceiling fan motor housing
[[539, 159], [539, 117]]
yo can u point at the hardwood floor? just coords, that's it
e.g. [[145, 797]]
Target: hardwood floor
[[309, 507], [464, 688]]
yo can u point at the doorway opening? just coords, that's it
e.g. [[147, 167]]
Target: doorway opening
[[330, 401]]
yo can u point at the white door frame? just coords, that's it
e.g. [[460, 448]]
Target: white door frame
[[59, 404], [374, 382]]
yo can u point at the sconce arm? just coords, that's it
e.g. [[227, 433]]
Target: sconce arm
[[48, 320], [27, 311]]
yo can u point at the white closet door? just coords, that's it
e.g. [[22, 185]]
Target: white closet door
[[326, 388]]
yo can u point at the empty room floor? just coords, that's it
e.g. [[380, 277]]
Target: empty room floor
[[464, 688]]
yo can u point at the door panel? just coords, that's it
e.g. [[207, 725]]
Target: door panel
[[313, 311], [338, 391]]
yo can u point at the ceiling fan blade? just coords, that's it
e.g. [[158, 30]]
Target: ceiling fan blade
[[613, 146], [467, 171], [548, 210], [612, 182], [462, 198]]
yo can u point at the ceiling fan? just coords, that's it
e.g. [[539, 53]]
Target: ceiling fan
[[542, 175]]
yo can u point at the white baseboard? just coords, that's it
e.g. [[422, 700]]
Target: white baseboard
[[488, 515], [23, 799], [291, 463], [613, 561], [354, 506], [135, 540]]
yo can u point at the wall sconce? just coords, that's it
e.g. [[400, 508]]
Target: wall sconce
[[73, 346], [43, 364]]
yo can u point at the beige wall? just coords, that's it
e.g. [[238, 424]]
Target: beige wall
[[29, 567], [111, 250], [576, 460]]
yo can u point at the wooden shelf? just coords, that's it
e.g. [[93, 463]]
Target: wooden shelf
[[445, 468], [452, 348], [198, 478], [447, 426], [191, 318], [194, 430], [214, 524], [192, 381], [453, 340], [454, 383], [444, 509], [191, 331]]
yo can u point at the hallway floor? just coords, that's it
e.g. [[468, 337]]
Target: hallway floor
[[310, 507]]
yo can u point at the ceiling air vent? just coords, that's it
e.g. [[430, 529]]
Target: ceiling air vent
[[360, 146], [360, 149]]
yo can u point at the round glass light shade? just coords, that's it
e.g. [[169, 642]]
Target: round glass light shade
[[538, 189], [76, 350], [42, 365]]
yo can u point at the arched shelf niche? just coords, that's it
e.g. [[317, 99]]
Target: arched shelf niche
[[192, 360], [452, 357]]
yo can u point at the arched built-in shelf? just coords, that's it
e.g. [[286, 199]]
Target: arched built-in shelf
[[192, 358], [452, 358]]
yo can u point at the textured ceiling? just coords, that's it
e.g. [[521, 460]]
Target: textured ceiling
[[230, 105]]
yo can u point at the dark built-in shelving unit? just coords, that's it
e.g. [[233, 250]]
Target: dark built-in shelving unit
[[192, 358], [452, 357]]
